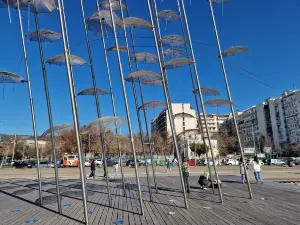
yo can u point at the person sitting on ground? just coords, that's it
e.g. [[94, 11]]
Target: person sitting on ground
[[204, 181]]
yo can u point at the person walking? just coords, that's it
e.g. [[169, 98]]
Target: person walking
[[173, 162], [168, 165], [186, 174], [116, 170], [256, 166], [93, 170], [242, 170]]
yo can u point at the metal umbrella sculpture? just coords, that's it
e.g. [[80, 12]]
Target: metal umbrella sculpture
[[193, 71], [97, 19], [208, 91], [234, 51], [113, 17], [60, 60], [58, 129], [17, 6], [100, 23], [168, 16], [229, 94], [152, 7], [177, 63], [114, 5], [126, 104], [136, 78], [10, 78], [157, 37], [68, 63], [121, 49], [174, 53], [46, 36], [146, 58]]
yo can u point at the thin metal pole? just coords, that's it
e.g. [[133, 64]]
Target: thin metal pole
[[31, 105], [143, 102], [74, 112], [111, 93], [169, 106], [127, 108], [253, 136], [14, 148], [201, 98], [49, 109], [229, 96], [137, 108], [102, 135]]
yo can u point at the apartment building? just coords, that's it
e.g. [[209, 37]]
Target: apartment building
[[276, 118]]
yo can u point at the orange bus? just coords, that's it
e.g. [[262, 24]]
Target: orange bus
[[70, 160]]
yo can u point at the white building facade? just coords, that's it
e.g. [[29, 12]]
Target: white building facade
[[275, 118], [186, 123]]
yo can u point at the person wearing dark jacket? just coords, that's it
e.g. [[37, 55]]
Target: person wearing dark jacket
[[93, 170]]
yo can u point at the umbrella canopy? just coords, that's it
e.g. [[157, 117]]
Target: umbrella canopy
[[134, 22], [104, 17], [174, 53], [183, 114], [208, 91], [42, 6], [234, 51], [91, 91], [218, 103], [173, 40], [61, 60], [152, 82], [46, 36], [104, 124], [115, 5], [177, 63], [121, 49], [143, 75], [153, 105], [145, 58], [58, 129], [168, 15], [10, 78]]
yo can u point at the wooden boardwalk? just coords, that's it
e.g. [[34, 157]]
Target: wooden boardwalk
[[274, 203]]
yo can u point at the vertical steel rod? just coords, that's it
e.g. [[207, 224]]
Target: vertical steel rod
[[229, 95], [127, 108], [48, 108], [200, 127], [201, 97], [167, 98], [110, 90], [31, 104], [102, 135], [74, 112], [143, 102], [137, 106]]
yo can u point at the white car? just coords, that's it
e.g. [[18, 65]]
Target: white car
[[233, 162], [99, 162], [87, 164], [211, 162]]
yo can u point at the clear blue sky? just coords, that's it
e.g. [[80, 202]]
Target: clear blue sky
[[269, 28]]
